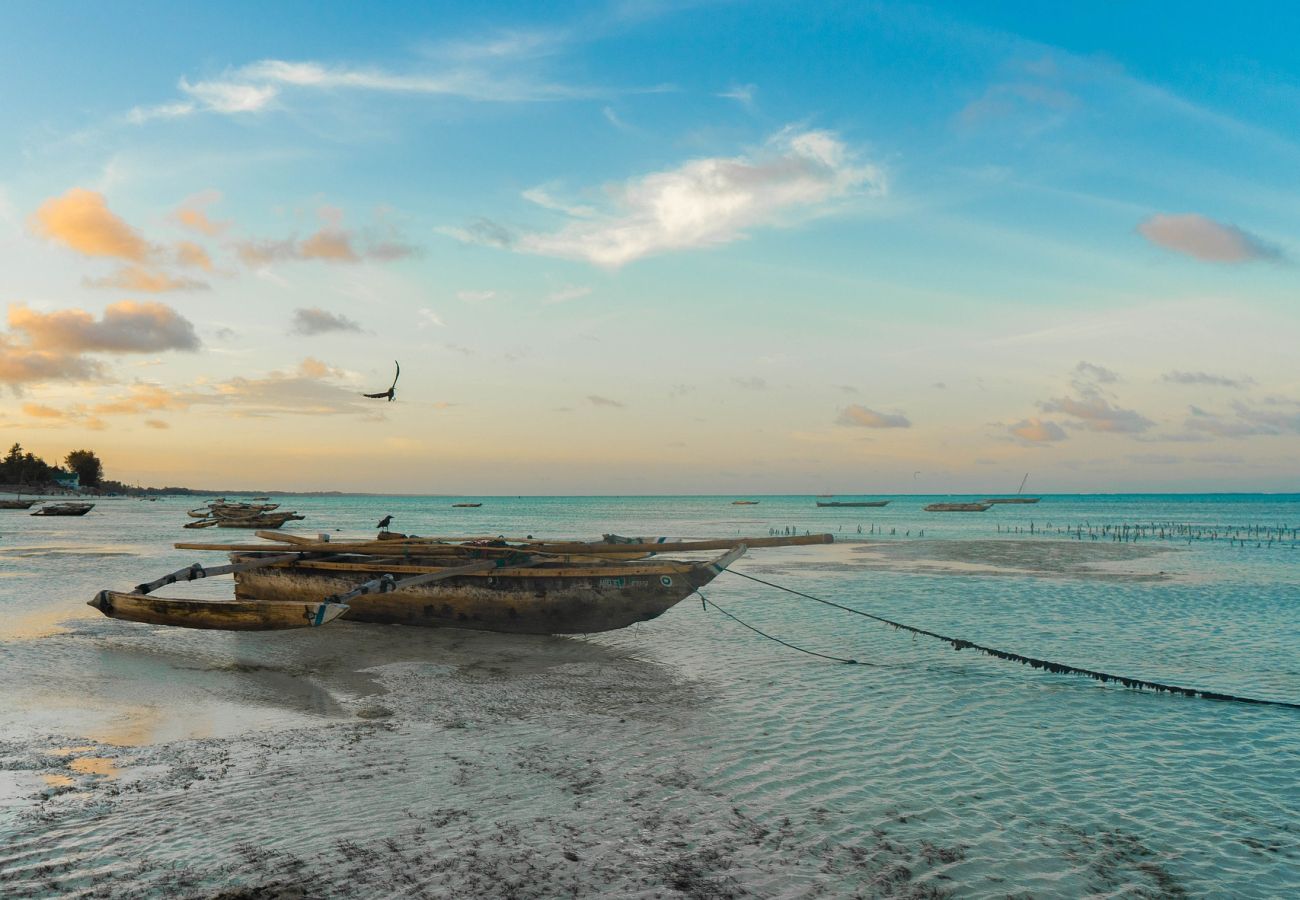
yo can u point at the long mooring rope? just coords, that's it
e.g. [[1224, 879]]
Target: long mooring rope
[[707, 603], [1053, 667]]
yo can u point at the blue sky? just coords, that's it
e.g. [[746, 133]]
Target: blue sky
[[672, 247]]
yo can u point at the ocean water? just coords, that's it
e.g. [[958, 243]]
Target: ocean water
[[686, 756]]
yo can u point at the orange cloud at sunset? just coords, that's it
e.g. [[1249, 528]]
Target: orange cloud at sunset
[[330, 244], [24, 365], [191, 254], [143, 280], [81, 220], [143, 397]]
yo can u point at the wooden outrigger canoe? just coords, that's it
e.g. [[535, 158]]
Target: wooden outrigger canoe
[[958, 507], [852, 502], [228, 615], [64, 509], [542, 598], [517, 589]]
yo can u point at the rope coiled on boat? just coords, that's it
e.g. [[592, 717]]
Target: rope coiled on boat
[[1054, 667]]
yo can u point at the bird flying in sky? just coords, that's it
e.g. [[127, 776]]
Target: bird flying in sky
[[391, 392]]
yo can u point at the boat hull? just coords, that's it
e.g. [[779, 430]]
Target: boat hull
[[862, 503], [1002, 500], [523, 602], [16, 504]]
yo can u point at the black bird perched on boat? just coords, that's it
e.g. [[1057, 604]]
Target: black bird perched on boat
[[390, 393], [385, 522]]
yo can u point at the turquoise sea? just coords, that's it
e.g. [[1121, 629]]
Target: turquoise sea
[[686, 756]]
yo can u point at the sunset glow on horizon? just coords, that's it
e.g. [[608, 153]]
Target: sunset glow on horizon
[[653, 249]]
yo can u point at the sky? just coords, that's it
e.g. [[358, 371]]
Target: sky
[[654, 247]]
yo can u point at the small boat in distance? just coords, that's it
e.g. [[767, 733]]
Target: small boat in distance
[[852, 502], [17, 504], [64, 509], [744, 503], [463, 505], [1018, 498], [958, 507]]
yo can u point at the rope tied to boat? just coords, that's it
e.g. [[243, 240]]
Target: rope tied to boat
[[705, 603], [1047, 665]]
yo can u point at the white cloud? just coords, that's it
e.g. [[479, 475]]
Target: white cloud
[[543, 199], [256, 86], [429, 317], [706, 202], [1205, 239]]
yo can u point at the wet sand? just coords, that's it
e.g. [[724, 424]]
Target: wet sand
[[473, 776]]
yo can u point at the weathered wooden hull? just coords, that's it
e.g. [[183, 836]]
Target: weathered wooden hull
[[957, 507], [272, 520], [854, 503], [1000, 500], [68, 510], [224, 615], [572, 600], [16, 504]]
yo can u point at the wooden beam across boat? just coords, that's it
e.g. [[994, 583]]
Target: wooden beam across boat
[[576, 548]]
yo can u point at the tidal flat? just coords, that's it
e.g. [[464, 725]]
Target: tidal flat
[[684, 757]]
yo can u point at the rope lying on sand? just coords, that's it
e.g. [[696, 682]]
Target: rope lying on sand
[[1053, 667]]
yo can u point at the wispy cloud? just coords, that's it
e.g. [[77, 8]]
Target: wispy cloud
[[313, 388], [1205, 239], [1206, 378], [332, 243], [193, 215], [862, 417], [1095, 413], [704, 202], [143, 280], [597, 400], [566, 293], [477, 296], [1245, 421], [742, 94], [259, 86]]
